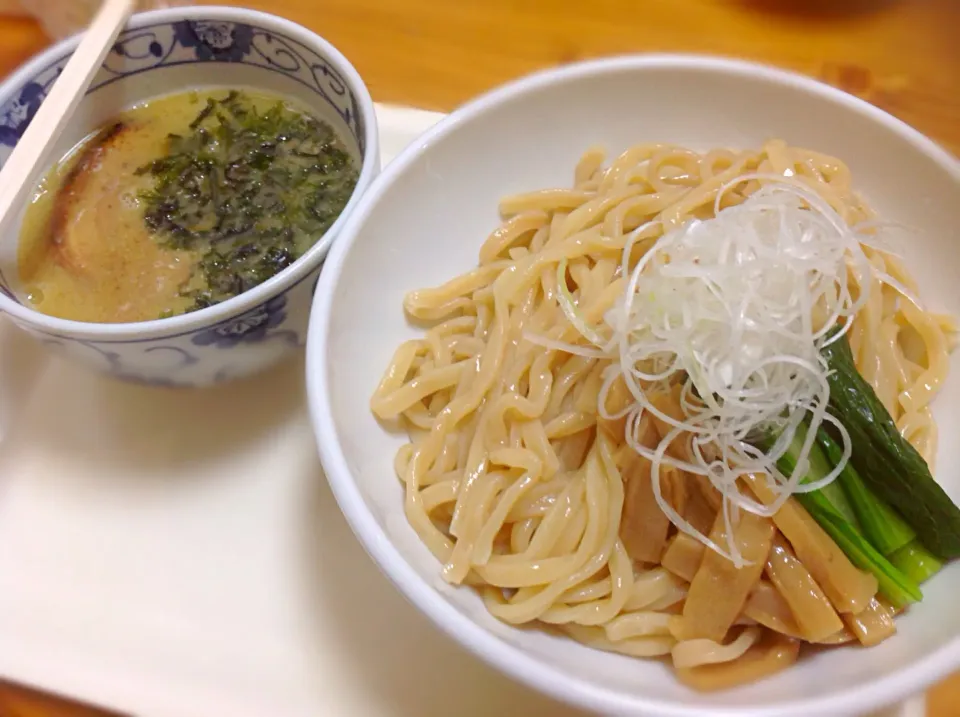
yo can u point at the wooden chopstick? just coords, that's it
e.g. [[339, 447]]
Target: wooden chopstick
[[19, 174]]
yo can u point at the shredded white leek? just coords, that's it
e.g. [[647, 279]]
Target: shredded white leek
[[736, 309]]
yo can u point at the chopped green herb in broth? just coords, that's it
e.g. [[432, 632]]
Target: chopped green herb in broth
[[252, 190], [179, 203]]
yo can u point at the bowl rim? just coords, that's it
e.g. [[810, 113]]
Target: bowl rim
[[275, 285], [508, 659]]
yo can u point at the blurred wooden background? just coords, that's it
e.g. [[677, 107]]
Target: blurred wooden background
[[902, 55]]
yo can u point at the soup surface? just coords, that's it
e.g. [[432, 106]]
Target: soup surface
[[181, 203]]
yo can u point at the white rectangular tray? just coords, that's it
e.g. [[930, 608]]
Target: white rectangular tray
[[179, 554]]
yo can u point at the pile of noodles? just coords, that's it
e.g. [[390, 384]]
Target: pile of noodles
[[529, 475]]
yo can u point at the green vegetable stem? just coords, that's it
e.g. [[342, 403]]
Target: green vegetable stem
[[882, 525], [916, 562], [888, 463], [832, 511]]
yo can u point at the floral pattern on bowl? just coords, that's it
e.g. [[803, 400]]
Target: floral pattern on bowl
[[245, 48], [176, 43], [209, 355], [255, 325]]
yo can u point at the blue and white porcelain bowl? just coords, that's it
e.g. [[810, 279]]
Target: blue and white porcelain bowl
[[173, 50]]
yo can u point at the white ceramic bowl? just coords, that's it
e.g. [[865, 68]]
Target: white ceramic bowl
[[423, 221], [175, 50]]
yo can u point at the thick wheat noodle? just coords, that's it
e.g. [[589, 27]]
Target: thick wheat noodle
[[511, 478], [693, 653]]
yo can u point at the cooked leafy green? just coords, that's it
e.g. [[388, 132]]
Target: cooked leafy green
[[249, 190], [886, 461], [882, 525], [832, 511], [916, 562]]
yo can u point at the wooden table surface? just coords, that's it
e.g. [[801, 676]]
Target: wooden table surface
[[902, 55]]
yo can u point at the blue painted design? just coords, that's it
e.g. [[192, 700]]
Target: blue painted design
[[221, 41], [16, 115], [140, 46], [165, 376], [253, 326], [185, 358], [165, 45], [112, 358]]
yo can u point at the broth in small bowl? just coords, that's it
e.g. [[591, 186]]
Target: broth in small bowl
[[178, 237], [180, 203]]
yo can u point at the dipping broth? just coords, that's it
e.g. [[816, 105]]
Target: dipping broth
[[180, 203]]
